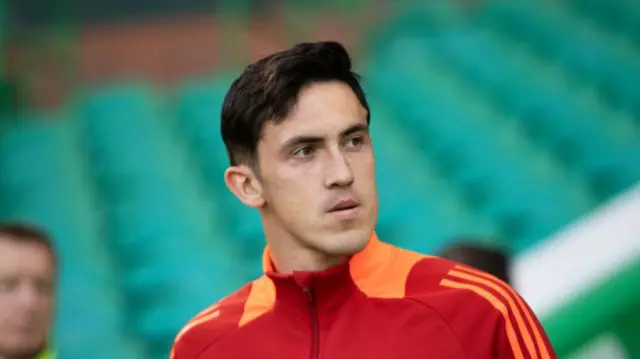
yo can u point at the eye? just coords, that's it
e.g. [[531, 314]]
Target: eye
[[7, 285], [355, 142], [304, 151], [44, 287]]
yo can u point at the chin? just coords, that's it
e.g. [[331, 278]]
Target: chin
[[347, 243], [25, 351]]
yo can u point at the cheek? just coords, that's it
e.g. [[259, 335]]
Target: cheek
[[46, 308], [290, 192], [7, 302], [5, 312], [364, 167]]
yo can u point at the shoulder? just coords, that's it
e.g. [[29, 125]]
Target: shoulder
[[418, 272], [431, 278], [479, 308], [442, 283], [453, 289], [210, 325], [221, 319]]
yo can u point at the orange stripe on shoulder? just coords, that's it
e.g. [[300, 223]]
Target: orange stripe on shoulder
[[505, 298], [389, 281], [498, 305], [210, 309], [516, 304], [226, 316], [261, 300], [205, 317], [228, 309]]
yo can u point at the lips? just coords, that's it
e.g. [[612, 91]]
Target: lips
[[344, 204]]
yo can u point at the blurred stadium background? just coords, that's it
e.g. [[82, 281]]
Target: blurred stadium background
[[514, 122]]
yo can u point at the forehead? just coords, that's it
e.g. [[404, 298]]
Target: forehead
[[27, 258], [322, 109]]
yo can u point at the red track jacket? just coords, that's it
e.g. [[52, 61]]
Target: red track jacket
[[386, 303]]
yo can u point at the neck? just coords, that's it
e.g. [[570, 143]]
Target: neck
[[288, 255], [19, 356], [289, 259]]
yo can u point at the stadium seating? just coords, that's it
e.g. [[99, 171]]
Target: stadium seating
[[461, 136], [45, 180], [498, 124], [175, 258], [418, 208], [197, 117], [585, 52], [620, 16]]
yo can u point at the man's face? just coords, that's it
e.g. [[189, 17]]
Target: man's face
[[317, 172], [26, 296]]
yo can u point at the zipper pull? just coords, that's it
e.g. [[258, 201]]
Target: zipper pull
[[309, 292]]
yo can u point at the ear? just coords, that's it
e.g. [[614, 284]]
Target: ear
[[244, 184]]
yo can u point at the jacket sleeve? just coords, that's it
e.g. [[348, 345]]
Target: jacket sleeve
[[515, 339], [190, 344], [490, 319], [178, 351]]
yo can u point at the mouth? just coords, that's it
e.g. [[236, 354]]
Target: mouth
[[23, 329], [344, 206]]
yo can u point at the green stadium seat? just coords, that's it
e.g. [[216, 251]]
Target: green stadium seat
[[559, 35], [55, 195], [199, 106], [481, 164], [417, 209], [620, 16], [158, 219], [110, 347], [576, 133]]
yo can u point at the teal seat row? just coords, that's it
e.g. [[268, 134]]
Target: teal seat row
[[555, 32], [44, 183], [575, 133], [198, 119], [413, 195], [620, 16], [163, 230], [446, 123]]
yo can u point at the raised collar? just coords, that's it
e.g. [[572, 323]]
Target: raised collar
[[333, 286], [362, 265]]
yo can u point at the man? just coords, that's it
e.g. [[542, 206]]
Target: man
[[27, 271], [296, 127], [491, 260]]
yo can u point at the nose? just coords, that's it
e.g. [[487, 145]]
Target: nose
[[27, 298], [339, 172]]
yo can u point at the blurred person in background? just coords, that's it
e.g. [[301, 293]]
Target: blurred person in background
[[296, 128], [494, 261], [27, 288]]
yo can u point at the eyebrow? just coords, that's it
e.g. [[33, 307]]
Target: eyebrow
[[359, 127], [299, 140]]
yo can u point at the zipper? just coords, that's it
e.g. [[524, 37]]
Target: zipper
[[315, 328]]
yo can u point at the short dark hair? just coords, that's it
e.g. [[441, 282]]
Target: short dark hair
[[28, 233], [494, 261], [268, 89]]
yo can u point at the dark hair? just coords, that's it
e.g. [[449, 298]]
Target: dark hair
[[268, 89], [494, 261], [28, 233]]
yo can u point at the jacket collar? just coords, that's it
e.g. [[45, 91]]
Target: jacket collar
[[362, 265], [333, 286]]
